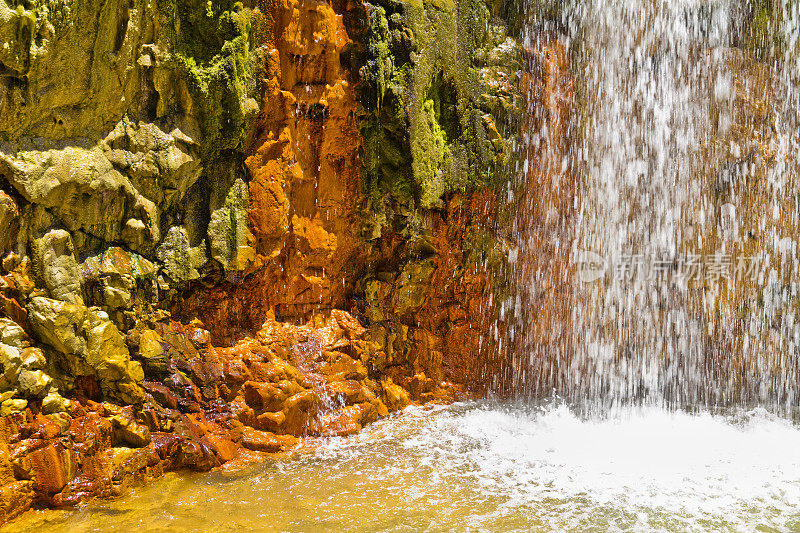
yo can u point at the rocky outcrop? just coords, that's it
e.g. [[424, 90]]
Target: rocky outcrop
[[351, 208], [226, 226], [201, 406]]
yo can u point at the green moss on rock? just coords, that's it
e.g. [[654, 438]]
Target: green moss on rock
[[212, 51], [429, 123]]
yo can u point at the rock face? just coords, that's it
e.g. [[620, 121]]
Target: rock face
[[226, 226], [364, 188]]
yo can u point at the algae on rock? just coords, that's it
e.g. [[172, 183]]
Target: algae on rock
[[439, 95]]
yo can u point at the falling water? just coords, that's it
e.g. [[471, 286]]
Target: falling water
[[681, 232]]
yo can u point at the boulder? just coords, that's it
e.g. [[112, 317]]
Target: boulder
[[162, 165], [107, 352], [12, 333], [394, 396], [52, 467], [79, 189], [54, 260], [9, 223], [129, 432], [33, 358], [89, 344], [59, 324], [151, 352], [11, 362], [180, 257], [54, 403], [262, 441], [33, 382], [12, 406]]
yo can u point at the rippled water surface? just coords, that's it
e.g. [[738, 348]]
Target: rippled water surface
[[488, 467]]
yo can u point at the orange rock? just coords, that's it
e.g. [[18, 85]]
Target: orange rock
[[349, 324], [304, 166], [91, 433], [271, 421], [394, 396], [15, 498], [351, 391], [223, 447], [264, 396], [342, 422], [243, 412], [262, 441], [44, 428], [301, 409], [52, 468]]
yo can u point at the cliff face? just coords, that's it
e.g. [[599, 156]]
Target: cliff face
[[225, 225], [374, 173]]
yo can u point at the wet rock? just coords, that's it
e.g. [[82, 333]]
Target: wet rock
[[272, 422], [91, 433], [349, 392], [52, 467], [161, 394], [16, 497], [131, 433], [195, 455], [413, 288], [12, 406], [269, 396], [340, 423], [45, 428], [222, 447], [33, 382], [261, 441], [163, 446], [395, 396], [107, 353], [151, 352], [115, 261], [54, 259], [126, 462], [301, 410], [9, 223]]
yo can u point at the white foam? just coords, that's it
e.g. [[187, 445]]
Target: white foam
[[651, 462]]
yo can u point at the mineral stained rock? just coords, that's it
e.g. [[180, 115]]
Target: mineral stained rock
[[227, 227]]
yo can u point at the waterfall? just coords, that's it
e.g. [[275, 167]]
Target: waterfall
[[657, 205]]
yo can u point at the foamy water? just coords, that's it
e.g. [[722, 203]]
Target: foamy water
[[488, 467]]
